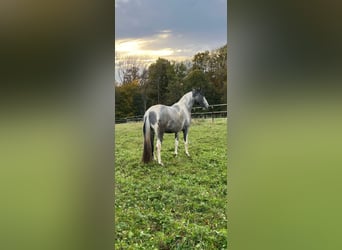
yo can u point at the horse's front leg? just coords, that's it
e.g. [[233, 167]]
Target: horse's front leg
[[186, 141], [176, 143]]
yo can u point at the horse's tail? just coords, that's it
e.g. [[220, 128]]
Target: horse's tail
[[147, 153]]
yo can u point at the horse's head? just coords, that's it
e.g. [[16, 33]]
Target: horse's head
[[198, 95]]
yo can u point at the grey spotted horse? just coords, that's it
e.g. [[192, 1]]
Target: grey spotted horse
[[160, 119]]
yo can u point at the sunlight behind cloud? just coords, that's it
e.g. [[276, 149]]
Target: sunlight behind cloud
[[163, 36], [156, 53], [148, 46], [136, 47], [128, 46], [163, 43], [145, 50]]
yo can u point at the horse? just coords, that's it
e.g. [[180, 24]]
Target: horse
[[160, 119]]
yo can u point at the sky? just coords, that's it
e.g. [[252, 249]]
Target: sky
[[171, 29]]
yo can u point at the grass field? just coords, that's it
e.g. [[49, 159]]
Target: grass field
[[182, 205]]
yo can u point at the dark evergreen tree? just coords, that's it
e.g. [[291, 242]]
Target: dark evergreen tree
[[160, 74]]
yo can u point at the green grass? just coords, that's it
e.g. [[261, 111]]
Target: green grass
[[182, 205]]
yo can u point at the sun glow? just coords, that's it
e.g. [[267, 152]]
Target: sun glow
[[147, 46], [136, 47], [128, 45], [143, 51]]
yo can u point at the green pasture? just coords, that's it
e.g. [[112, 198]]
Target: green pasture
[[182, 205]]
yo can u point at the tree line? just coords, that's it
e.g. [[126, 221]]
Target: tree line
[[165, 82]]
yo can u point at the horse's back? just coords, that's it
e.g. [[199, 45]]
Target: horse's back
[[161, 109], [170, 118]]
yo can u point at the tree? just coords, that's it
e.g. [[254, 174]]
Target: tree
[[128, 101], [160, 74], [175, 89], [217, 74], [143, 87], [198, 79], [165, 82], [130, 74], [201, 61], [213, 65], [129, 67]]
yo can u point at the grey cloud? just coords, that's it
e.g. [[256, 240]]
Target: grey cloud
[[135, 18]]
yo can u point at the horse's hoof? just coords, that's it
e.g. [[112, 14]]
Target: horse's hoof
[[161, 164], [188, 154]]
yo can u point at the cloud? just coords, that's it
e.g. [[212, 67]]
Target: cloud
[[175, 30], [145, 47], [162, 44], [135, 18], [118, 2], [128, 46], [164, 34]]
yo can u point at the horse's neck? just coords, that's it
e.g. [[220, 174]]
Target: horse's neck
[[187, 101]]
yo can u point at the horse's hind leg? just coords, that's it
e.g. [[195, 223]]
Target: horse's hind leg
[[152, 142], [159, 143], [186, 142], [158, 151], [176, 143]]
